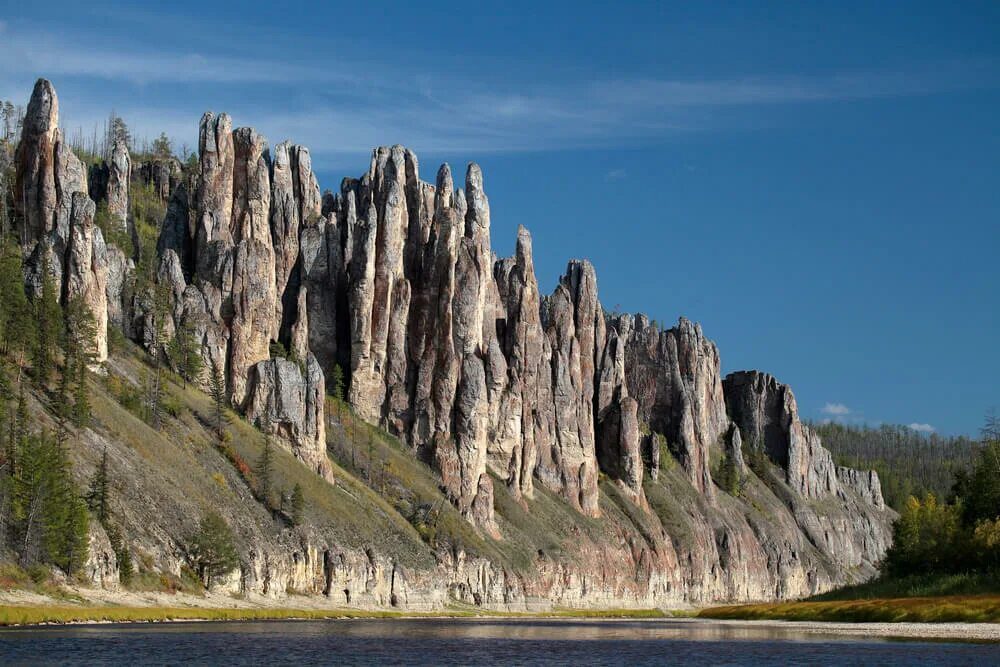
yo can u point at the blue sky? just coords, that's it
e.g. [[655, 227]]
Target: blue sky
[[817, 183]]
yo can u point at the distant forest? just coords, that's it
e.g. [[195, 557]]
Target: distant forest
[[908, 463]]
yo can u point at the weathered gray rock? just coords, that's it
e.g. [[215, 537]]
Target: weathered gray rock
[[287, 401], [119, 179], [674, 375], [252, 326], [162, 174], [865, 483], [619, 450], [57, 216], [768, 417], [574, 326], [458, 354], [35, 196], [86, 272]]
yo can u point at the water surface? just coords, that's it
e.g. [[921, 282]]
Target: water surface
[[468, 642]]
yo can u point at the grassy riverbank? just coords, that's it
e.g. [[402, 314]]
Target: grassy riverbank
[[34, 615], [970, 598], [941, 609]]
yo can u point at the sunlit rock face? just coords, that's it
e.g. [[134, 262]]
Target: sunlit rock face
[[514, 397]]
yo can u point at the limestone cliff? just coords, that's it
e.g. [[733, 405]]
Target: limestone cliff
[[540, 416]]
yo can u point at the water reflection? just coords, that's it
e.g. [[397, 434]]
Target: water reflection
[[468, 642]]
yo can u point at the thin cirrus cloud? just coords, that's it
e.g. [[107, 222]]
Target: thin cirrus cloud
[[348, 107]]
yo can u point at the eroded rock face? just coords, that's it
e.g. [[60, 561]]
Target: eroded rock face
[[109, 182], [766, 413], [162, 174], [86, 272], [57, 217], [674, 375], [865, 483], [287, 401], [35, 196], [508, 394]]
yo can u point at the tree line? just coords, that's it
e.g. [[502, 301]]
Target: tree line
[[908, 463], [958, 532]]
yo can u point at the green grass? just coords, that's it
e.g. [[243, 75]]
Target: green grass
[[33, 615], [942, 609], [924, 585]]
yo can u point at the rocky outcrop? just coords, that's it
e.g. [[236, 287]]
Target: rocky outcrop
[[674, 375], [57, 216], [865, 483], [161, 174], [519, 402], [286, 400], [109, 183], [35, 194], [85, 275], [766, 413]]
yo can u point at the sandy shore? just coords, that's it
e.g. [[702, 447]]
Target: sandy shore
[[703, 627], [936, 631]]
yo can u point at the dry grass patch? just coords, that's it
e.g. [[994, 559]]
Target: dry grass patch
[[943, 609]]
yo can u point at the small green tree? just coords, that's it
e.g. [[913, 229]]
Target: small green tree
[[217, 390], [298, 505], [338, 382], [49, 323], [162, 147], [78, 355], [264, 472], [97, 496], [122, 553], [212, 549], [17, 324], [185, 355], [50, 519]]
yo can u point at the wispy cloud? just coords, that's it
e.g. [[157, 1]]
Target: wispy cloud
[[342, 106], [836, 410], [616, 175], [921, 428]]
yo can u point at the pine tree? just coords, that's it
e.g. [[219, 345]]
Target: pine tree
[[185, 355], [212, 550], [122, 553], [338, 382], [298, 504], [264, 472], [16, 320], [78, 356], [51, 521], [162, 147], [97, 496], [217, 390], [48, 317]]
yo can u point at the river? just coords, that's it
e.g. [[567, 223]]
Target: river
[[469, 642]]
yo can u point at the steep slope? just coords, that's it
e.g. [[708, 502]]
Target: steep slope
[[515, 454]]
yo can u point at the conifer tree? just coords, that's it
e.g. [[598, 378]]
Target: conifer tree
[[265, 472], [338, 382], [217, 390], [78, 356], [212, 550], [16, 320], [48, 318], [97, 496], [298, 504], [185, 355]]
